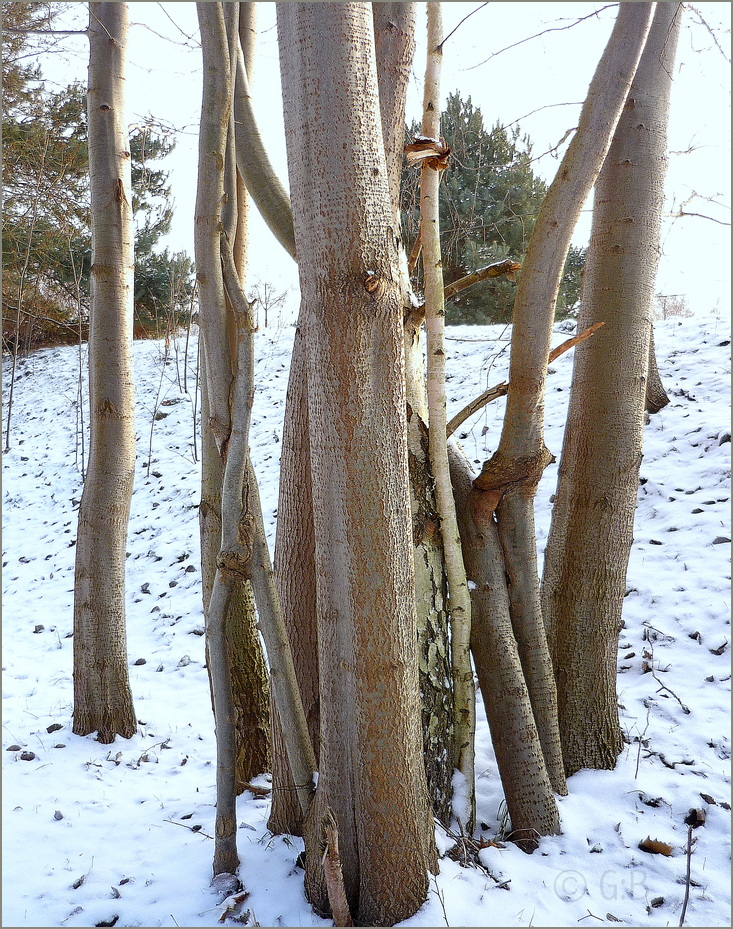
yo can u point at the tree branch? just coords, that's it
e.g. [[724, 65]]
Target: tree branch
[[508, 266], [493, 393]]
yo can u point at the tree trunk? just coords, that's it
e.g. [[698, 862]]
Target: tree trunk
[[295, 573], [656, 396], [394, 41], [459, 599], [527, 789], [371, 771], [218, 480], [102, 697], [514, 471], [592, 527]]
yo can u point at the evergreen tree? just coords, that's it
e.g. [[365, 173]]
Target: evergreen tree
[[45, 222], [489, 197]]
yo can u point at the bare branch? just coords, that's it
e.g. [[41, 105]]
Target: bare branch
[[460, 24], [712, 219], [709, 28], [45, 31], [608, 6], [493, 393], [506, 267]]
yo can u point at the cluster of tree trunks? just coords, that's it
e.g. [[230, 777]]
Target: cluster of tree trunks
[[366, 617]]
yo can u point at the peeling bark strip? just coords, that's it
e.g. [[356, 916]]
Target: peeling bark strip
[[102, 697], [332, 871], [508, 267]]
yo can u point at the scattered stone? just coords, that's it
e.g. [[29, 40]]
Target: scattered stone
[[708, 799], [723, 438], [58, 815], [27, 756], [145, 588], [54, 727], [719, 650], [140, 661], [695, 635], [184, 662], [13, 748], [78, 882], [108, 922], [60, 745], [656, 902], [226, 884], [38, 629], [720, 540]]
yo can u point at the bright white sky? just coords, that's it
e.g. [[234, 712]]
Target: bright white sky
[[540, 82]]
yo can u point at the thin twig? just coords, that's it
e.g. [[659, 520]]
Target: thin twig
[[577, 22], [462, 22], [493, 393], [687, 877], [685, 709], [641, 737], [190, 828]]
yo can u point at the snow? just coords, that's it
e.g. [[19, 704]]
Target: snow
[[94, 832]]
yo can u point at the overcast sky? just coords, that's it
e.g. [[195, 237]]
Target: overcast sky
[[540, 81]]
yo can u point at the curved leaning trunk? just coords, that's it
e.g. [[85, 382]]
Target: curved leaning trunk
[[513, 472], [102, 697], [592, 527], [529, 797]]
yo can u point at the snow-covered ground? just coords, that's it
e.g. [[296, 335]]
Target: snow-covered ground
[[94, 834]]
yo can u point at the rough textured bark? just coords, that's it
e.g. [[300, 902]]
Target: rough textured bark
[[371, 772], [295, 574], [102, 697], [592, 528], [459, 600], [656, 396], [513, 472], [394, 41], [527, 789]]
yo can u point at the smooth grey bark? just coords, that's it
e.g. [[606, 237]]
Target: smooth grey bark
[[371, 772], [249, 680], [592, 528], [513, 472], [227, 326], [102, 696], [214, 324]]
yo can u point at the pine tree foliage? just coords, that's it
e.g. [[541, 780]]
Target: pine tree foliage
[[45, 221], [489, 198]]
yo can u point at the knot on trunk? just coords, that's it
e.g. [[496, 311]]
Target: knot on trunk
[[502, 473], [235, 564]]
